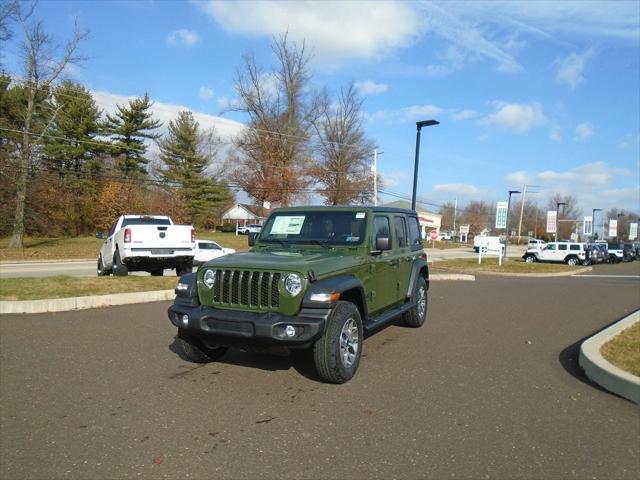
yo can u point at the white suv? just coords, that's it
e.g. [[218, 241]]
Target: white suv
[[561, 252]]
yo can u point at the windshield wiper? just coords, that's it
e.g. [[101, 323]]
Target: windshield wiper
[[322, 243]]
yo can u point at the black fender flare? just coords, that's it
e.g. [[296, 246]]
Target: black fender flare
[[338, 284], [418, 266]]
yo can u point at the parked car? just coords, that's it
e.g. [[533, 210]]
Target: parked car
[[535, 243], [628, 252], [207, 250], [147, 243], [616, 252], [250, 228], [599, 253], [486, 241], [571, 253], [444, 236]]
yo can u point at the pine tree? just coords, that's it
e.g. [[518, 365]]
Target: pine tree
[[129, 127], [71, 143], [182, 152]]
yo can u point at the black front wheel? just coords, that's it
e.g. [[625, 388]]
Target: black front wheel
[[184, 268], [197, 352], [530, 259], [119, 268], [100, 269], [337, 353]]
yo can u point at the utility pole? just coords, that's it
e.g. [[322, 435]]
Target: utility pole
[[558, 204], [524, 196], [455, 211]]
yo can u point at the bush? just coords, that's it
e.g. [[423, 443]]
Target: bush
[[229, 227]]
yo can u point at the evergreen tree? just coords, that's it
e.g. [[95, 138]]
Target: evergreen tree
[[182, 152], [72, 142], [129, 127]]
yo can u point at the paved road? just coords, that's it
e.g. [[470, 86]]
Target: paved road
[[490, 387], [88, 268]]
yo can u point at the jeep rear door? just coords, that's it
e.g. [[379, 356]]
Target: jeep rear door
[[404, 254]]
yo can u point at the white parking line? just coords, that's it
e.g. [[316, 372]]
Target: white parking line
[[606, 276]]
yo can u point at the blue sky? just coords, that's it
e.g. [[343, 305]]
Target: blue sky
[[544, 93]]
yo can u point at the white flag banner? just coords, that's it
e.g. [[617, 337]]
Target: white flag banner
[[613, 228], [588, 226], [633, 231], [501, 214], [552, 216]]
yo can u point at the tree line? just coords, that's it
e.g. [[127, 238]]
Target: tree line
[[68, 168]]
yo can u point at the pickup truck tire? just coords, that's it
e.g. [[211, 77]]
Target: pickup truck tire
[[157, 272], [572, 261], [119, 268], [184, 268], [337, 353], [100, 269], [417, 316], [530, 259], [195, 351]]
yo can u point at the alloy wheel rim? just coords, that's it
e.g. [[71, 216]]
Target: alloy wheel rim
[[349, 343], [422, 302]]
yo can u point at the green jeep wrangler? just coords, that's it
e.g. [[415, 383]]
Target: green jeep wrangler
[[316, 277]]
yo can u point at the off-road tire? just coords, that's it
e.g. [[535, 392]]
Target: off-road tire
[[100, 269], [572, 261], [417, 316], [327, 349], [119, 268], [530, 259], [613, 259], [195, 351]]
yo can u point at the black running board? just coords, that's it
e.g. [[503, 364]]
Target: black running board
[[388, 316]]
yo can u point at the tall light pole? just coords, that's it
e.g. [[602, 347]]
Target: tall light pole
[[511, 192], [618, 226], [593, 221], [419, 125], [558, 204], [524, 197]]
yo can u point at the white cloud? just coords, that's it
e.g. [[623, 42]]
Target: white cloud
[[184, 37], [403, 115], [516, 117], [205, 93], [571, 68], [462, 189], [596, 174], [369, 87], [334, 30], [584, 131], [630, 142], [464, 115], [629, 194], [555, 135], [165, 112], [518, 178]]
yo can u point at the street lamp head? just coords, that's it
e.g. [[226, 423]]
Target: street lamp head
[[597, 209], [514, 191], [560, 203], [426, 123]]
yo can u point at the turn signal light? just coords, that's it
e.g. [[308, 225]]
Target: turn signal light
[[127, 235]]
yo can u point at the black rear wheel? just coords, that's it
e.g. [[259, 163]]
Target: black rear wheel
[[119, 268], [417, 316]]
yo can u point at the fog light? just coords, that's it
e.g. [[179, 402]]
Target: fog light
[[185, 320], [290, 330]]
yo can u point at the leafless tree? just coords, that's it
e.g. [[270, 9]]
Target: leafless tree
[[343, 166], [43, 63], [566, 213], [476, 214], [272, 164]]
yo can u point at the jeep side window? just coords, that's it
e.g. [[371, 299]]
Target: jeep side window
[[562, 246], [380, 228], [551, 247], [414, 234], [401, 231], [574, 247]]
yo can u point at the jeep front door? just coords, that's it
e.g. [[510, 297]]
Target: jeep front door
[[383, 268]]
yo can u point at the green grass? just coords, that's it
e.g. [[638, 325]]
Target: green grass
[[624, 350], [61, 248], [67, 286], [490, 264], [445, 245]]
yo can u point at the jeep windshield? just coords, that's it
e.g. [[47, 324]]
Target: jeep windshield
[[315, 227]]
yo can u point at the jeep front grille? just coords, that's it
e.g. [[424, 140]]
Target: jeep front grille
[[242, 287]]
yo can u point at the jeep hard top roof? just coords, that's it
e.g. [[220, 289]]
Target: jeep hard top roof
[[343, 208]]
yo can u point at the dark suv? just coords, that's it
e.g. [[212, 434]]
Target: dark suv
[[316, 278]]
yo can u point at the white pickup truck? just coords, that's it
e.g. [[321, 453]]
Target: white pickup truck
[[147, 243]]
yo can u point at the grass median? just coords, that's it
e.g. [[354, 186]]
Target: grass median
[[66, 286], [490, 264], [69, 248], [624, 350]]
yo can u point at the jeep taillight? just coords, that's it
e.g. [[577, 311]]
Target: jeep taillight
[[424, 257], [127, 235], [193, 235]]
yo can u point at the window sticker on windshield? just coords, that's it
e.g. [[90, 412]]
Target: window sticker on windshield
[[352, 239], [360, 215], [287, 225]]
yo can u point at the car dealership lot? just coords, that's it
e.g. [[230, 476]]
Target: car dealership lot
[[489, 387]]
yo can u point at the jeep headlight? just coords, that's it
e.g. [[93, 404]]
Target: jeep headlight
[[209, 278], [293, 284]]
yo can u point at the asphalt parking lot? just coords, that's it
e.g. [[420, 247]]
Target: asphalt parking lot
[[490, 387]]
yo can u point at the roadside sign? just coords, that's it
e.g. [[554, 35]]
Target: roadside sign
[[633, 231], [552, 217], [464, 229], [613, 227], [501, 214], [588, 226], [433, 234]]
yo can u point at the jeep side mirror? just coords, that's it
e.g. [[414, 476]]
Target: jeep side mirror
[[251, 238], [382, 243]]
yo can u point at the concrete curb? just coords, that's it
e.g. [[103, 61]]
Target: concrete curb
[[54, 260], [452, 276], [604, 373], [82, 303], [535, 275]]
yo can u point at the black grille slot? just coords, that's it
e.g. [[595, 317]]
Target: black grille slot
[[275, 291], [225, 286], [217, 287], [244, 288], [254, 288], [235, 286], [264, 289]]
